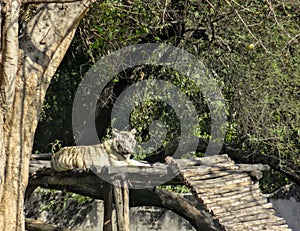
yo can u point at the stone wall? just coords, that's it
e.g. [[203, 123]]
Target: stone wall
[[141, 219], [88, 216], [286, 202]]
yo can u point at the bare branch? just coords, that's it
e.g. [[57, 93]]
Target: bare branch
[[247, 27]]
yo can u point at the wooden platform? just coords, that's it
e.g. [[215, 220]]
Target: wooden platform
[[224, 188], [229, 194]]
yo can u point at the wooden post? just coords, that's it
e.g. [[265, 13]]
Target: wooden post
[[119, 206], [108, 208], [126, 205], [122, 203]]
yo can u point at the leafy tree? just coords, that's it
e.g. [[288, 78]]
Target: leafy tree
[[252, 46]]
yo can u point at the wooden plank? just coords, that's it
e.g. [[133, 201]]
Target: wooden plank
[[236, 197], [249, 188], [219, 209], [230, 203], [252, 219], [225, 190], [220, 180], [252, 209], [204, 170], [253, 167], [211, 175], [224, 217], [224, 187], [263, 220], [203, 161], [188, 163], [255, 228], [206, 160]]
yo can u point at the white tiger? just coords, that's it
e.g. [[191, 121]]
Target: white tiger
[[112, 152]]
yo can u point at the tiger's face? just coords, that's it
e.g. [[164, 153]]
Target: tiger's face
[[124, 141]]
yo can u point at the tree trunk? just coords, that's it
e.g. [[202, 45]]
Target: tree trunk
[[26, 71], [10, 183]]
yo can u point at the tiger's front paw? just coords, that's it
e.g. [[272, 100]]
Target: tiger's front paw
[[80, 171]]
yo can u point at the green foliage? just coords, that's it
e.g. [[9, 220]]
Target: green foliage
[[252, 46], [55, 146], [57, 202], [272, 181], [176, 188], [79, 198]]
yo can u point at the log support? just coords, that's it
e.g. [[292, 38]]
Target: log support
[[121, 196], [108, 206]]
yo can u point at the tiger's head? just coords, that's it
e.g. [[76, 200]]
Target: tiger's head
[[124, 141]]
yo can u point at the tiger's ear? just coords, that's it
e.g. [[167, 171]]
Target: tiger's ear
[[115, 131], [133, 131]]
